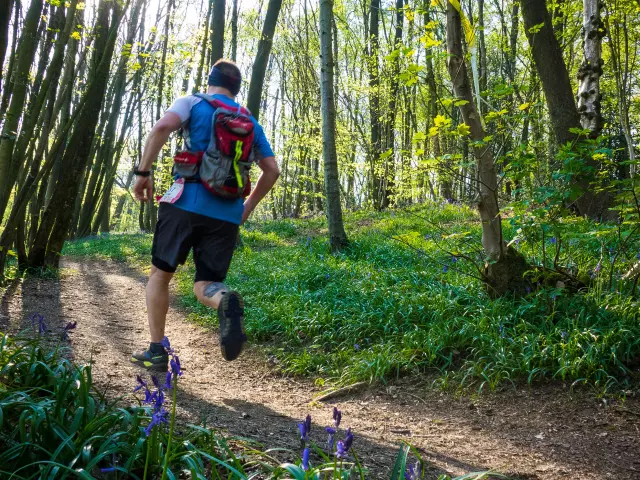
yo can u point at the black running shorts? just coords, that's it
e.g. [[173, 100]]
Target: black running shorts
[[178, 231]]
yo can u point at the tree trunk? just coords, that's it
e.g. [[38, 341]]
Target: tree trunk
[[560, 101], [123, 198], [337, 235], [504, 272], [58, 215], [5, 17], [217, 31], [19, 80], [591, 69], [203, 52], [234, 30], [374, 100], [262, 57], [6, 90]]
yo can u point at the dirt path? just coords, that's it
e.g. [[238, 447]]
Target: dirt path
[[544, 433]]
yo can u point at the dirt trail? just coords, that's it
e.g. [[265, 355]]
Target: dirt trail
[[543, 433]]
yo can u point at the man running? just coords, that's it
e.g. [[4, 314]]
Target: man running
[[196, 219]]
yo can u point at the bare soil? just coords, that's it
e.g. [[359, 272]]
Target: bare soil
[[543, 432]]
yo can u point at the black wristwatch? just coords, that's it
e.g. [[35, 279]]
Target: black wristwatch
[[141, 173]]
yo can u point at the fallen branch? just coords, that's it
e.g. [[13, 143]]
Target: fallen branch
[[341, 391]]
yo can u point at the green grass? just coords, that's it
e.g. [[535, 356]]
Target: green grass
[[386, 307]]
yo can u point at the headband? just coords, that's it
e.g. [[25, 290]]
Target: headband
[[219, 79]]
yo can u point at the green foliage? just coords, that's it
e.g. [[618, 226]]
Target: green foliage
[[406, 298]]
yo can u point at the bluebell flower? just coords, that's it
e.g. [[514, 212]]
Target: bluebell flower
[[155, 381], [356, 347], [305, 459], [445, 269], [598, 267], [38, 319], [454, 259], [344, 445], [175, 366], [305, 428], [563, 335], [141, 384], [638, 256], [414, 473], [159, 417], [331, 440], [69, 326], [167, 346], [168, 383], [108, 470], [337, 416], [553, 240], [528, 289]]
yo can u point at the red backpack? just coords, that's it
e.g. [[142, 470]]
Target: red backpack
[[224, 167]]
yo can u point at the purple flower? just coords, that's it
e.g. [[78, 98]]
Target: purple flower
[[356, 347], [175, 366], [155, 381], [344, 445], [158, 400], [159, 417], [167, 346], [38, 319], [305, 428], [563, 334], [337, 416], [141, 384], [168, 384], [598, 267], [108, 470], [528, 289], [638, 256], [305, 459], [445, 269], [553, 240], [331, 440], [454, 259], [69, 326], [414, 473]]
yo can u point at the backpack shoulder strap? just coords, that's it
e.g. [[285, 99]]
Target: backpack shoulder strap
[[214, 102]]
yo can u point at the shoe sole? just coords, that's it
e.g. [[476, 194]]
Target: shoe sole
[[232, 333], [156, 367]]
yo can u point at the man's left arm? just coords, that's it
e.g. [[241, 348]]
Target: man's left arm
[[270, 174]]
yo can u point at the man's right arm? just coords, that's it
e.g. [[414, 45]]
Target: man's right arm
[[169, 123]]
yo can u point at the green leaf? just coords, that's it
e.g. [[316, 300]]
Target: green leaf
[[460, 103], [401, 463], [297, 472], [463, 130], [536, 28]]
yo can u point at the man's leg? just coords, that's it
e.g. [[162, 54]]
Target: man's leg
[[158, 302], [210, 293]]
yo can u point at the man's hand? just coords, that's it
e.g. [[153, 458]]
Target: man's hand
[[270, 174], [143, 188]]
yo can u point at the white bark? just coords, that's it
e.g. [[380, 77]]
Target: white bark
[[591, 69]]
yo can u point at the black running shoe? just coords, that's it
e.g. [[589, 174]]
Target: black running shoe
[[150, 361], [231, 317]]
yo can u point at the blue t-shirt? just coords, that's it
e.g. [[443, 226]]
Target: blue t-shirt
[[195, 197]]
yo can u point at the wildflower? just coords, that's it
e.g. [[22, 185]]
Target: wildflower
[[167, 346], [415, 472], [553, 240], [454, 259], [175, 366], [69, 326], [598, 267], [563, 335], [155, 381], [305, 459], [528, 289], [501, 330], [331, 440], [344, 445], [38, 319], [108, 470], [638, 256], [168, 384], [159, 417], [517, 242], [356, 347], [327, 276], [305, 428], [141, 384], [445, 269], [337, 416]]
